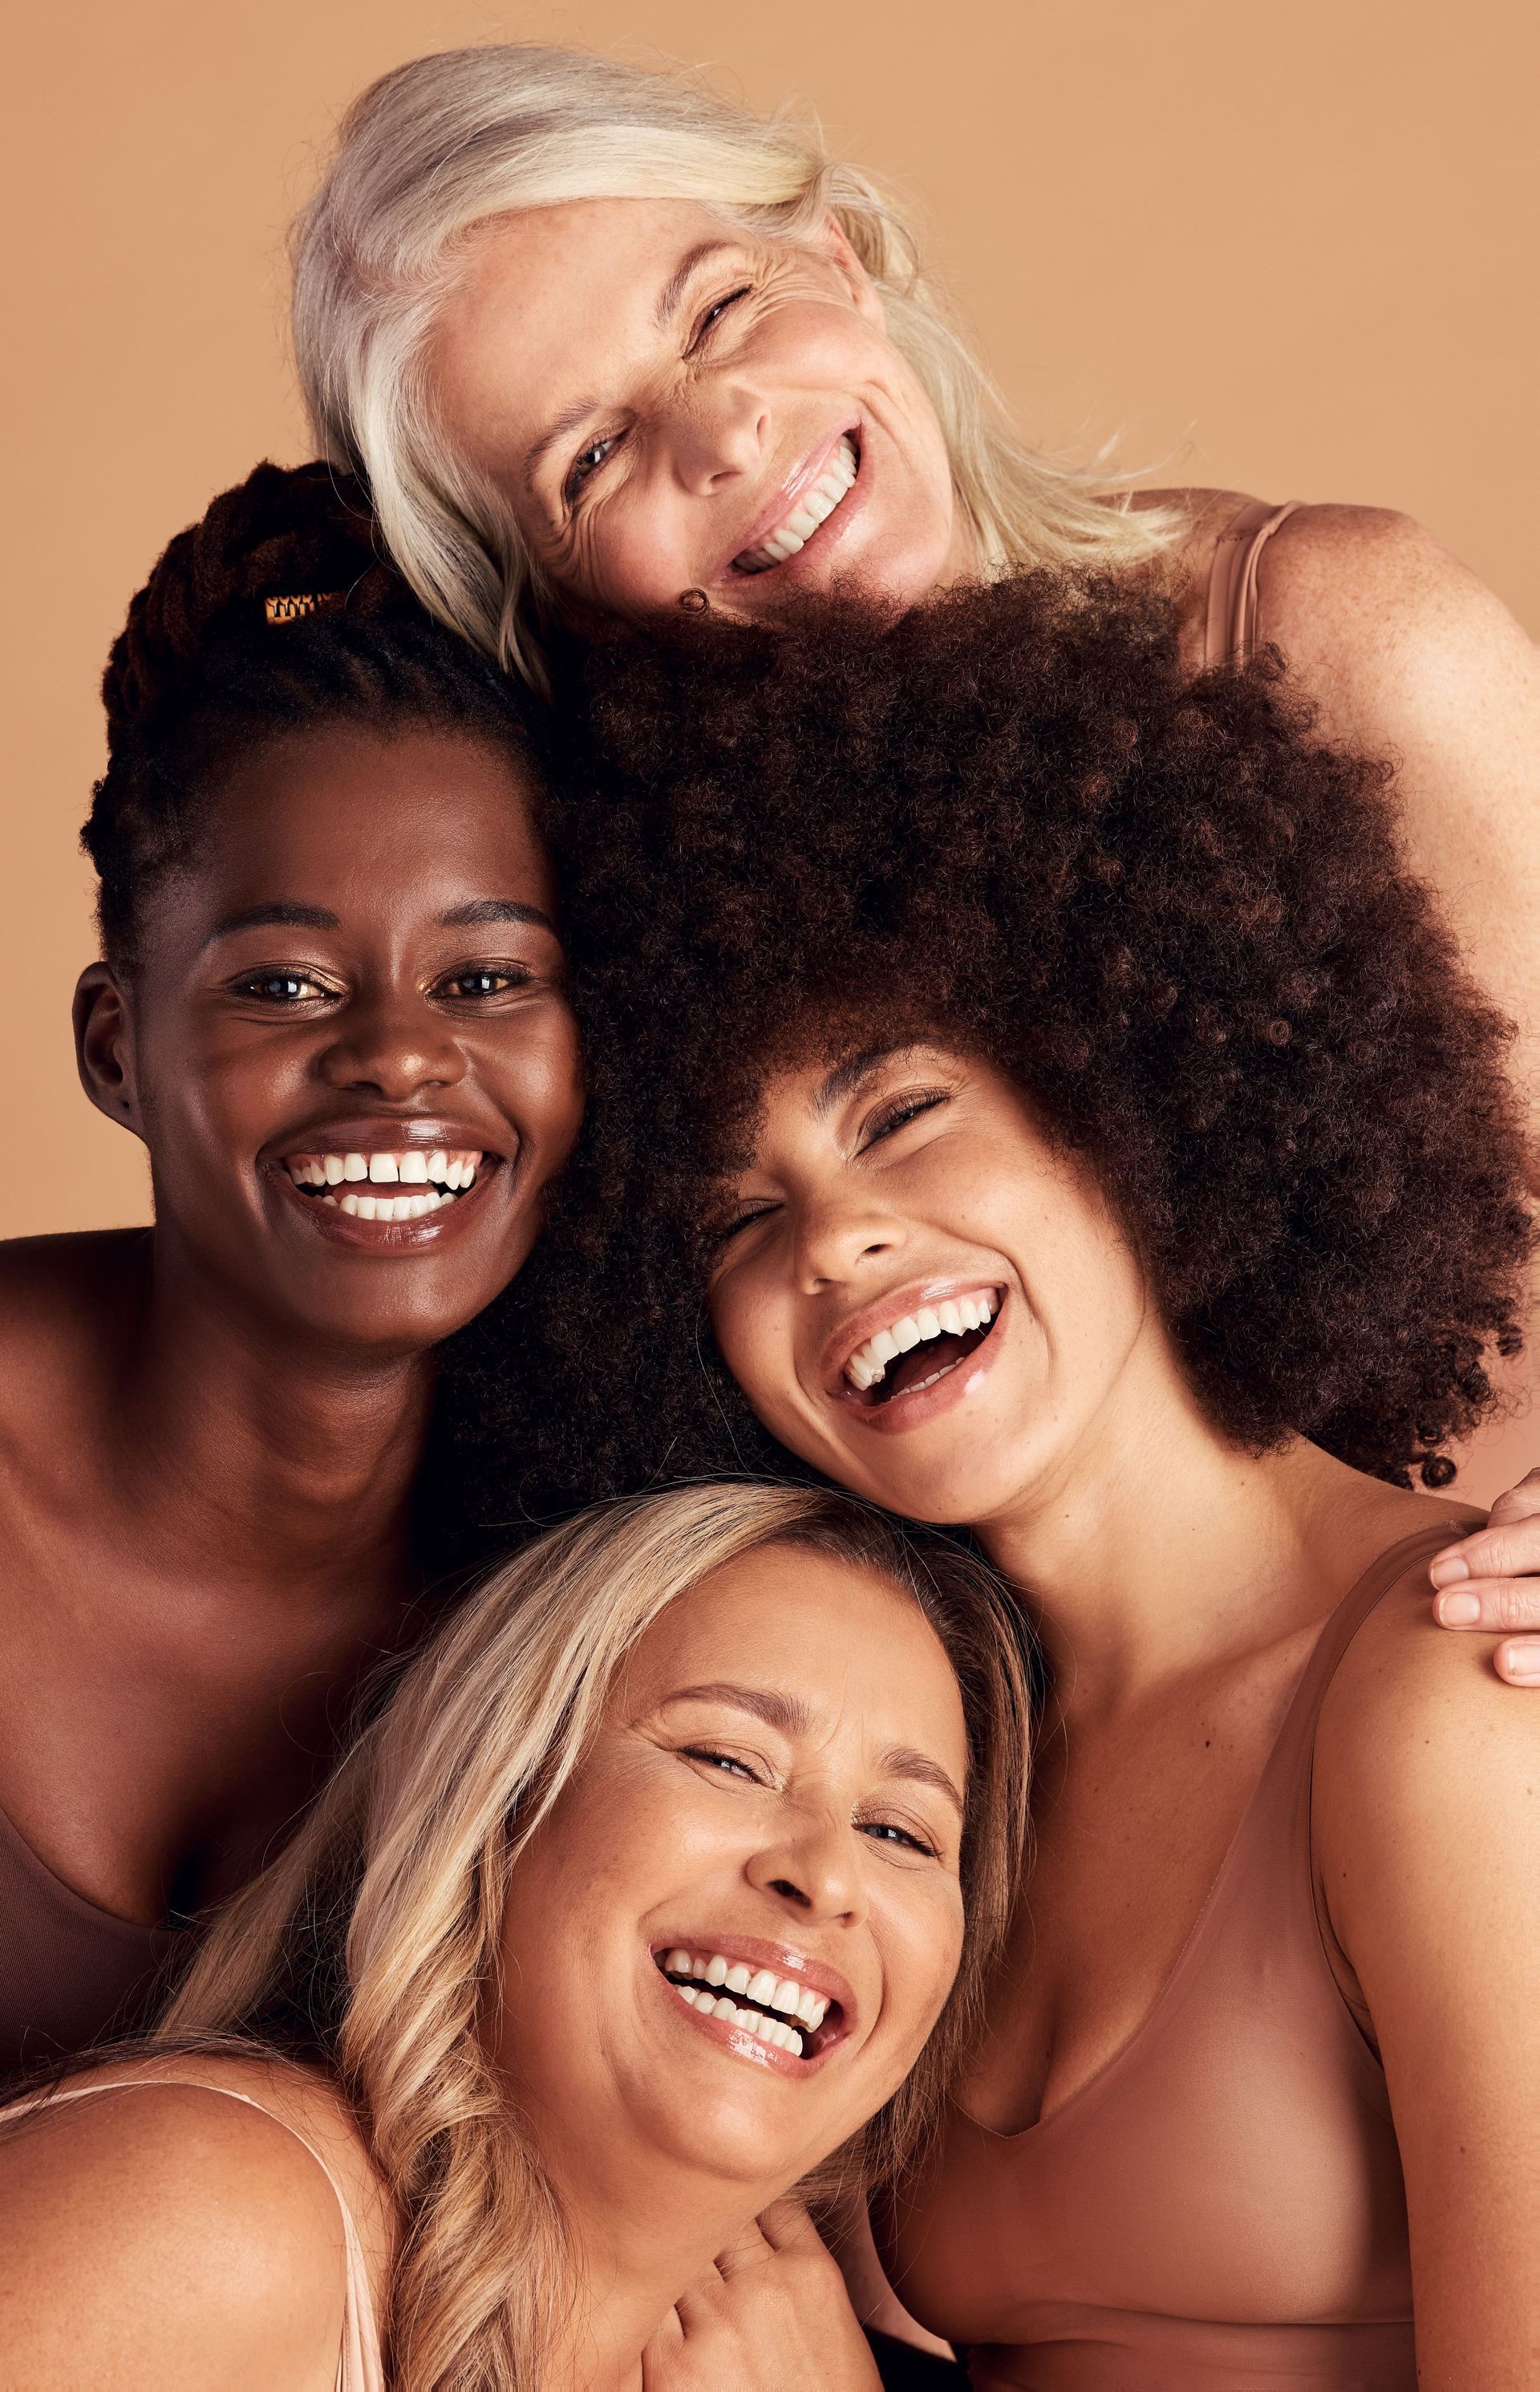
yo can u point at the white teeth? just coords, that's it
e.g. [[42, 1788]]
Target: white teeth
[[726, 1989], [383, 1169], [414, 1167], [813, 508], [355, 1167], [366, 1207], [333, 1170], [867, 1367]]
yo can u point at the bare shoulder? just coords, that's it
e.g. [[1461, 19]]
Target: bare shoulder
[[1426, 1765], [1385, 629], [66, 1302], [174, 2205]]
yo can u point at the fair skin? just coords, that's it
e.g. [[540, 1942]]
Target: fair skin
[[652, 391], [1179, 1585], [778, 1775]]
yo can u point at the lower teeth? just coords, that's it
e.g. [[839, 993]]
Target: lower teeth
[[711, 2005]]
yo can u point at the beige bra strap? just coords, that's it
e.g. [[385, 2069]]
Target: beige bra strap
[[1231, 634], [358, 2368]]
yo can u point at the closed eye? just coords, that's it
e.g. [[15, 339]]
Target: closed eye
[[731, 1225], [898, 1114], [888, 1831], [714, 315]]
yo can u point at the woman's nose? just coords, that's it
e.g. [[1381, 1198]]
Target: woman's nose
[[834, 1239], [390, 1049], [722, 434], [814, 1868]]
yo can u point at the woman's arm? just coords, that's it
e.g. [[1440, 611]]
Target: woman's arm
[[1427, 1831], [165, 2239], [1406, 652], [1490, 1583]]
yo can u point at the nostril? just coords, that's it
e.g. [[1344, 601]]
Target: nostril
[[792, 1893]]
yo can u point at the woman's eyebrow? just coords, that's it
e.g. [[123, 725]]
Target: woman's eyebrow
[[568, 421], [484, 911], [902, 1762], [846, 1077], [783, 1711], [279, 915], [674, 288]]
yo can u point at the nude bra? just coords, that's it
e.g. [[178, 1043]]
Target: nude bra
[[358, 2363], [1231, 637]]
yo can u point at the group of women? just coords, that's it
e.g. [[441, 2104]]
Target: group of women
[[725, 1655]]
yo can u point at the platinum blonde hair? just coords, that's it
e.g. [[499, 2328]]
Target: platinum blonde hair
[[374, 1938], [442, 144]]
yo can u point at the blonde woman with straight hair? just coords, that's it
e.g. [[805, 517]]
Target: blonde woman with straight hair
[[635, 1906], [603, 343]]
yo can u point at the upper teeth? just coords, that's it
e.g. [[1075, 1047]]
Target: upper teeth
[[868, 1364], [760, 1993], [440, 1174], [814, 507]]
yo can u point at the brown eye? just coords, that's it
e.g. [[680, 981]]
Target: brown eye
[[281, 988]]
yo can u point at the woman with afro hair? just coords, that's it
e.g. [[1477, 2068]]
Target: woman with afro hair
[[1028, 1089]]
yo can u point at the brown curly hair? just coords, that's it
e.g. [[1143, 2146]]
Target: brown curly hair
[[1170, 915]]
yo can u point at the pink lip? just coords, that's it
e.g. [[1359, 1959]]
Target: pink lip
[[799, 479], [919, 1295], [742, 2043]]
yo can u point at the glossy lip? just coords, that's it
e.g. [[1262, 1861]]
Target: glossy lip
[[918, 1296], [738, 2040], [378, 1134], [801, 479]]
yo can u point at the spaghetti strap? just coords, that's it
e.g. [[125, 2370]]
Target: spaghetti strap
[[358, 2364], [1231, 634]]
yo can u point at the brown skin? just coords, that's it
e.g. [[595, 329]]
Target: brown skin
[[210, 1429]]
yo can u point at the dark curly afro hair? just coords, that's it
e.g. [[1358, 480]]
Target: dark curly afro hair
[[1170, 914]]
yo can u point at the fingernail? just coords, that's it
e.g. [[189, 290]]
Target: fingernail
[[1522, 1660], [1448, 1567], [1458, 1611]]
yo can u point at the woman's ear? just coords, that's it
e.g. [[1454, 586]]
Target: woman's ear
[[830, 238], [103, 1045]]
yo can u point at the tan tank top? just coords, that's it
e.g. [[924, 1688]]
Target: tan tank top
[[1231, 637], [358, 2362], [1222, 2205]]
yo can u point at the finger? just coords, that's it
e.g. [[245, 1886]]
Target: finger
[[1518, 1662], [1496, 1606], [700, 2302], [666, 2343], [786, 2225], [1510, 1548], [748, 2248]]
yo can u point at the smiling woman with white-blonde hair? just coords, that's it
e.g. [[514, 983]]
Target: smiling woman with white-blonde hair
[[603, 342], [665, 1882]]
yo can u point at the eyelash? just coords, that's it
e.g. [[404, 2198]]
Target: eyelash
[[727, 1762], [576, 476]]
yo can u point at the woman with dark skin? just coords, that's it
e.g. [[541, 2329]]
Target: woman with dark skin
[[1040, 1102], [328, 921]]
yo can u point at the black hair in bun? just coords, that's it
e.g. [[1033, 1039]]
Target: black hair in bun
[[277, 612]]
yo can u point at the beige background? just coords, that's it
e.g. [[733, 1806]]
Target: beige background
[[1289, 249]]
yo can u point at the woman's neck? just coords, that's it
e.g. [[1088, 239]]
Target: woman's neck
[[1159, 1547], [236, 1441], [638, 2244]]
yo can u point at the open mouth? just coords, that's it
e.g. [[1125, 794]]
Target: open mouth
[[810, 511], [389, 1184], [919, 1348], [782, 2012]]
